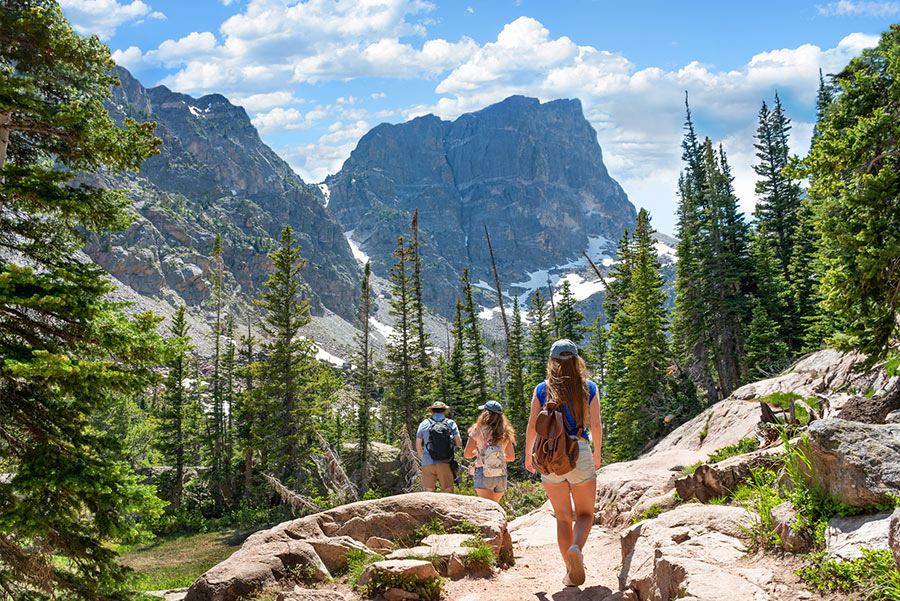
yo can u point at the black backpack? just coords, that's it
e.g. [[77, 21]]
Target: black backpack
[[440, 440]]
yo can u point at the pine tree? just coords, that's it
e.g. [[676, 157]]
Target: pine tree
[[539, 340], [806, 274], [424, 363], [216, 427], [518, 397], [474, 345], [854, 191], [690, 335], [228, 395], [288, 367], [245, 418], [456, 379], [363, 360], [646, 349], [569, 320], [765, 350], [67, 352], [172, 430], [402, 390], [772, 302], [596, 351], [825, 96]]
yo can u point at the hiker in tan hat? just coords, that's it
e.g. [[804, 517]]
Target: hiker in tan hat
[[436, 440]]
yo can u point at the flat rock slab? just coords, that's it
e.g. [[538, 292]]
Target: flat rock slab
[[894, 536], [419, 568], [299, 594], [175, 594], [534, 529], [690, 552], [845, 537]]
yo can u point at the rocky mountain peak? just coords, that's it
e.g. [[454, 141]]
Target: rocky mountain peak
[[532, 173]]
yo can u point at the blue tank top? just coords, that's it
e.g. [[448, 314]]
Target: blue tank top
[[540, 392]]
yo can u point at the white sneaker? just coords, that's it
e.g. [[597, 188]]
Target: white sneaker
[[568, 581], [576, 565]]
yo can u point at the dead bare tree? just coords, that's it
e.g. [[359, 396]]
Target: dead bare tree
[[296, 501]]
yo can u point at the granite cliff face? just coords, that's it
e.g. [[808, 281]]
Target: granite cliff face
[[532, 173], [215, 175]]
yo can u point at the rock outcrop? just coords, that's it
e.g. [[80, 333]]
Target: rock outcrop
[[857, 463], [531, 173], [846, 537], [722, 424], [690, 552], [894, 536], [313, 547], [215, 175]]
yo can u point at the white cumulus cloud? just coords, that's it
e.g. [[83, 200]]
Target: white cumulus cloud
[[104, 16]]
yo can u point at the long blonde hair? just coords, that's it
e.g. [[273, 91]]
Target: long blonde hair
[[497, 426], [567, 384]]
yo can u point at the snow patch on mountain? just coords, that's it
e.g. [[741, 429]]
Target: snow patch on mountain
[[326, 192], [361, 257]]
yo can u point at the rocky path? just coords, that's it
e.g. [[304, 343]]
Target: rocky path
[[539, 570]]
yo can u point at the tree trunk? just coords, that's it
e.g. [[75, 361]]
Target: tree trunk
[[5, 119]]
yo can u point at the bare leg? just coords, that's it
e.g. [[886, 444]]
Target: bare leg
[[486, 493], [560, 499], [585, 496]]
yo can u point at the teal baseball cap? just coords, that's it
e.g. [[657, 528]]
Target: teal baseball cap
[[492, 406]]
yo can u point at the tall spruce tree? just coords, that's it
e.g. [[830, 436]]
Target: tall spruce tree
[[414, 245], [475, 356], [456, 378], [646, 351], [690, 333], [364, 377], [855, 192], [518, 397], [569, 320], [539, 340], [402, 373], [172, 414], [216, 427], [67, 352], [287, 369], [244, 415]]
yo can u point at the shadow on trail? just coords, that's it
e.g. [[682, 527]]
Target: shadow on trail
[[570, 593]]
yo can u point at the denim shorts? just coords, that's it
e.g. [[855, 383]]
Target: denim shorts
[[584, 468], [493, 483]]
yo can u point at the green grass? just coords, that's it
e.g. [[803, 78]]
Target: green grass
[[705, 431], [480, 555], [782, 400], [428, 589], [175, 562], [744, 445], [523, 497], [874, 576], [653, 511], [691, 468], [357, 562]]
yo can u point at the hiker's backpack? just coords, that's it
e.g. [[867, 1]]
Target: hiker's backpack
[[553, 451], [493, 461], [440, 440]]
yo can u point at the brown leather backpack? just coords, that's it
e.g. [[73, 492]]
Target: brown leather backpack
[[553, 451]]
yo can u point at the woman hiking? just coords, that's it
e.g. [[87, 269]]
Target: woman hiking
[[568, 389], [491, 440]]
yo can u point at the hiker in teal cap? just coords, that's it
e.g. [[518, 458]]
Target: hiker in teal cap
[[567, 402], [491, 440]]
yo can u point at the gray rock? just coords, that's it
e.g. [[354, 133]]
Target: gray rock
[[783, 517], [844, 537], [857, 463], [893, 417], [894, 536], [419, 568]]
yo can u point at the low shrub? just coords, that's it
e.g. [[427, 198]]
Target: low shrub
[[874, 575], [357, 562], [523, 497], [428, 589], [761, 496], [480, 555]]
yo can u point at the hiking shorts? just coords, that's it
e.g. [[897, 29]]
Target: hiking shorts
[[437, 471], [492, 483], [584, 468]]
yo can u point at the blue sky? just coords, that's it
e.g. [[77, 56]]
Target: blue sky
[[315, 75]]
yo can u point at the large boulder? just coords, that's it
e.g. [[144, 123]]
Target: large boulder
[[690, 552], [721, 425], [313, 547], [846, 537], [784, 516], [627, 489], [857, 463], [387, 475]]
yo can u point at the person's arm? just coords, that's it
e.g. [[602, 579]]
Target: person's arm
[[530, 432], [510, 451], [456, 439], [419, 448], [471, 448], [596, 429]]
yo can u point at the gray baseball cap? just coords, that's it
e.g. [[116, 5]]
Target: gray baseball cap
[[563, 349], [493, 406]]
